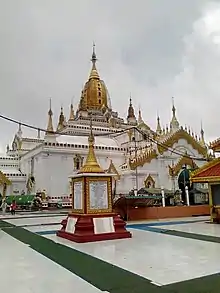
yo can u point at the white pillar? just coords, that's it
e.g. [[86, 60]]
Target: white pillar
[[180, 196], [187, 195], [135, 191], [163, 196]]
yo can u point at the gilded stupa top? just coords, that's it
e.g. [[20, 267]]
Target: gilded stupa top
[[94, 95], [91, 165]]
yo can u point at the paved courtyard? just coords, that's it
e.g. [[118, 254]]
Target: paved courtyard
[[177, 255]]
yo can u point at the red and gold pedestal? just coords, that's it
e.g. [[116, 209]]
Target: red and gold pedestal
[[92, 218]]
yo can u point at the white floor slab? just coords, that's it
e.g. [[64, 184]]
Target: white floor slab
[[36, 221], [187, 219], [197, 228], [23, 270], [161, 258], [43, 228]]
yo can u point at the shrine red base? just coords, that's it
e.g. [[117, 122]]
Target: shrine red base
[[83, 228]]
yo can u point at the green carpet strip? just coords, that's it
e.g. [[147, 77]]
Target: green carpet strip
[[208, 284], [194, 236], [103, 275]]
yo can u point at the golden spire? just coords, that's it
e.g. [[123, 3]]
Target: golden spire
[[130, 110], [50, 121], [61, 120], [158, 130], [71, 113], [202, 139], [94, 73], [91, 164], [140, 120], [174, 124]]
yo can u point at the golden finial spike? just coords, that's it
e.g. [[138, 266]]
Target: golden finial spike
[[94, 73], [159, 129], [50, 120], [71, 112], [91, 164]]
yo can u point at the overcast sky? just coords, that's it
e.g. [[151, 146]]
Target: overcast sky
[[153, 49]]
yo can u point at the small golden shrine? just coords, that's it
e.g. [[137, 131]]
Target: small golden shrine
[[92, 217]]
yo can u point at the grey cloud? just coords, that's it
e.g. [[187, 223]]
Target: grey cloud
[[142, 48]]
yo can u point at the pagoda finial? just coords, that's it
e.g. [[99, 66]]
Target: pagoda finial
[[94, 72], [202, 139], [71, 118], [61, 122], [140, 119], [130, 110], [50, 120], [159, 129], [174, 124], [94, 58], [19, 130], [173, 107], [91, 164]]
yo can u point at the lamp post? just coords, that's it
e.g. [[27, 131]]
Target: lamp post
[[184, 181], [136, 170]]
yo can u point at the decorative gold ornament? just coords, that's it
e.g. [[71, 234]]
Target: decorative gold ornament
[[4, 179], [174, 170], [149, 182], [175, 137], [215, 145], [78, 162], [147, 157], [112, 170]]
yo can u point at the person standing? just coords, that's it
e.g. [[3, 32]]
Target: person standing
[[13, 207]]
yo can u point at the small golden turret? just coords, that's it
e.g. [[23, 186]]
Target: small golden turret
[[61, 122], [91, 165], [71, 118], [130, 110], [50, 121], [140, 119]]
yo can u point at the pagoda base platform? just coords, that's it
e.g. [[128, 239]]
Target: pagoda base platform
[[90, 228]]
